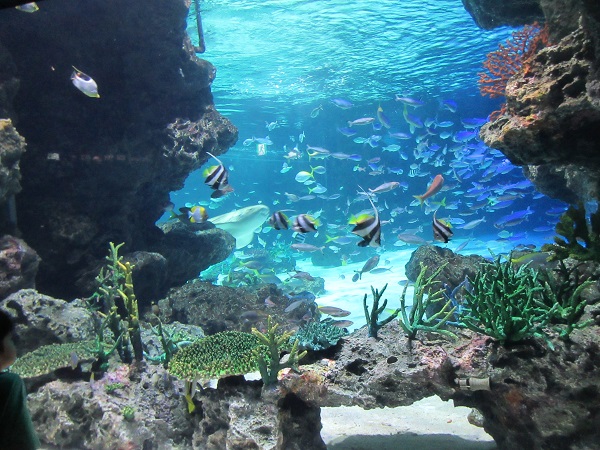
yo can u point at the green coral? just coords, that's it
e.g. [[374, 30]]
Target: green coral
[[373, 322], [504, 303], [48, 358], [416, 319], [128, 413], [580, 240], [112, 387], [270, 364], [219, 355], [115, 282], [171, 340], [562, 293], [318, 335]]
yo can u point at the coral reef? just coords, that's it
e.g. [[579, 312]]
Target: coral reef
[[552, 115], [12, 147]]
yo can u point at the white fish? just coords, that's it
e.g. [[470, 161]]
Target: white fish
[[84, 83]]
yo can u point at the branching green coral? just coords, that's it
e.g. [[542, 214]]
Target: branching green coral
[[318, 335], [220, 355], [416, 320], [269, 365], [115, 282], [373, 322], [503, 303], [172, 341], [564, 297], [579, 240], [49, 358]]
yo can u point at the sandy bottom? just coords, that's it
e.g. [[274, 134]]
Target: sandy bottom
[[430, 424]]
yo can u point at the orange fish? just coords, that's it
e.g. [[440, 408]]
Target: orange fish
[[434, 188]]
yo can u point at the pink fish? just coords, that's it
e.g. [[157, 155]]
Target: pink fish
[[434, 188]]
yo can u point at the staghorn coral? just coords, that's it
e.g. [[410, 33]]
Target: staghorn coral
[[373, 322], [504, 303], [49, 358], [416, 320], [270, 364]]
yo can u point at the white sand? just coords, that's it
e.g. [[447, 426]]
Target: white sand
[[430, 424]]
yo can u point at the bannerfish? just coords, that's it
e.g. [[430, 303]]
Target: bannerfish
[[303, 223], [279, 220], [368, 227], [441, 230], [84, 83], [217, 178], [434, 188]]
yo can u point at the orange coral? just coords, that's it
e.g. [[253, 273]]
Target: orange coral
[[510, 58]]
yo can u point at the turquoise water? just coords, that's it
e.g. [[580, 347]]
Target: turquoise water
[[279, 66]]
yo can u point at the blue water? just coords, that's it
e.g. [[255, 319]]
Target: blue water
[[282, 62]]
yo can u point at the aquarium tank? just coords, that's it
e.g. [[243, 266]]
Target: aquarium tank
[[299, 224]]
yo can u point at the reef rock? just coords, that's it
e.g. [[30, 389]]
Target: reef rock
[[537, 398], [553, 106], [98, 170], [18, 265], [490, 14], [42, 320], [455, 267], [12, 146]]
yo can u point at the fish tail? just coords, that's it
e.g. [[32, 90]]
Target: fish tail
[[421, 198]]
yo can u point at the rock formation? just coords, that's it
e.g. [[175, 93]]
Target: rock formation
[[101, 169], [552, 116]]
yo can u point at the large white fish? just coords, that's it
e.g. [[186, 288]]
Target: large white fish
[[241, 223]]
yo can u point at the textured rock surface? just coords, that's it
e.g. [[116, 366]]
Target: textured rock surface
[[101, 169], [220, 308], [18, 265], [490, 14], [42, 320], [553, 107], [538, 398]]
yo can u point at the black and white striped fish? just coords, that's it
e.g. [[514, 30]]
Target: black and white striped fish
[[279, 220], [217, 177], [441, 231], [368, 227], [303, 223]]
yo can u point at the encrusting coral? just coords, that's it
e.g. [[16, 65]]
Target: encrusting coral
[[48, 358]]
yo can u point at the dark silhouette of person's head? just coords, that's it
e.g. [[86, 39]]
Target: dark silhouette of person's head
[[8, 352]]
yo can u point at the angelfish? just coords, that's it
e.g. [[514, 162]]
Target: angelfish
[[84, 83]]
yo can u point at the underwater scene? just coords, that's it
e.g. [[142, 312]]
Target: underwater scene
[[299, 224]]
